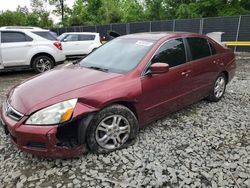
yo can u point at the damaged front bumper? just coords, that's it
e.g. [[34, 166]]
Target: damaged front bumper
[[47, 141]]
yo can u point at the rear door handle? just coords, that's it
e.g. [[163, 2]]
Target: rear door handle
[[214, 62], [217, 61], [186, 73]]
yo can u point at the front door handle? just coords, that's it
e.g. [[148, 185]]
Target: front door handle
[[186, 73]]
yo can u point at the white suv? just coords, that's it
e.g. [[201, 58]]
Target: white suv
[[80, 43], [29, 47]]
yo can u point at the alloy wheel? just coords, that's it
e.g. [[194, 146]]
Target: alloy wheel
[[43, 65], [112, 132], [219, 87]]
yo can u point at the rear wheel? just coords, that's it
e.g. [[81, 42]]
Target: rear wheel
[[112, 128], [218, 89], [42, 64]]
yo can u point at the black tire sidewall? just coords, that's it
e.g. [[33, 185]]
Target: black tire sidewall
[[42, 57], [111, 110]]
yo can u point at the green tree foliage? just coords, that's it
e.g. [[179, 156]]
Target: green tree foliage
[[155, 9], [61, 9], [38, 17], [94, 12], [132, 11]]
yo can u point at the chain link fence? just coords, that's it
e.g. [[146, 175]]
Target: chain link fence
[[235, 28]]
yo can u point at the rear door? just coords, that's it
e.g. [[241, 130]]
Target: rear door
[[203, 64], [15, 47]]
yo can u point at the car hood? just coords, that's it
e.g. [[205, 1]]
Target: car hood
[[54, 83]]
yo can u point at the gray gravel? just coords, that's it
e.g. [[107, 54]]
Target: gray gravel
[[203, 145]]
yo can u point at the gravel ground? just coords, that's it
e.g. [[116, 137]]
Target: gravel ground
[[203, 145]]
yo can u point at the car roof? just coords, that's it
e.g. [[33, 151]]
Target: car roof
[[155, 36], [22, 29], [87, 33]]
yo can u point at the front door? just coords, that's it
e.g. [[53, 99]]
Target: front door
[[70, 44], [164, 93]]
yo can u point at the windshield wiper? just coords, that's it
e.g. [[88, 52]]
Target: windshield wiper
[[98, 68]]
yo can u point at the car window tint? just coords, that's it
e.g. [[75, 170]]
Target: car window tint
[[86, 37], [172, 53], [71, 38], [199, 47], [13, 37], [45, 34], [212, 48], [28, 38]]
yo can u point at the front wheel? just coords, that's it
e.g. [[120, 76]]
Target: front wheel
[[112, 128], [218, 89], [42, 64]]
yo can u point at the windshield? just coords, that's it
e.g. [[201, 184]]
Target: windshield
[[118, 55], [60, 38]]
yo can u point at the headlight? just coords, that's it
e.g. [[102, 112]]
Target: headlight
[[55, 114]]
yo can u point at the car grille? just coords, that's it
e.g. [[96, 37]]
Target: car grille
[[11, 112]]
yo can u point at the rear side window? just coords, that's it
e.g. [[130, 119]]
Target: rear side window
[[86, 37], [8, 37], [212, 49], [199, 47], [45, 34], [172, 53]]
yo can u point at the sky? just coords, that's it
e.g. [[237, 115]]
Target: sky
[[13, 4]]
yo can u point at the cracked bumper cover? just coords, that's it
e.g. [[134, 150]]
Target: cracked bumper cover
[[38, 140]]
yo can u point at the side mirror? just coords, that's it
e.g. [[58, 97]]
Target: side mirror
[[158, 68], [65, 40]]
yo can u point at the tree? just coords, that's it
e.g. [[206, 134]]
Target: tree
[[132, 10], [79, 14], [40, 12], [61, 9], [155, 9]]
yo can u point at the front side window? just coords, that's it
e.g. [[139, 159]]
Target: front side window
[[172, 53], [199, 47], [71, 38], [8, 37], [86, 37], [118, 55]]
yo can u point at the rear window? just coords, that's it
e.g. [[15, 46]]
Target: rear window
[[45, 34], [86, 37], [199, 47], [212, 48]]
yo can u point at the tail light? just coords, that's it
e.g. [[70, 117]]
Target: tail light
[[58, 45]]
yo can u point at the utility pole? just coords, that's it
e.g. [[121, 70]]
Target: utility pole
[[62, 9]]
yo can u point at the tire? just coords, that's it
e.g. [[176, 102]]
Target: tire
[[112, 128], [218, 89], [42, 63]]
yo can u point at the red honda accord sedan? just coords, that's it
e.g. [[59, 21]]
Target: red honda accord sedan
[[100, 103]]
